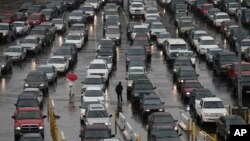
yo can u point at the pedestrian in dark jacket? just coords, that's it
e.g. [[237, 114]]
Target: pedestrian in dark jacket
[[118, 90]]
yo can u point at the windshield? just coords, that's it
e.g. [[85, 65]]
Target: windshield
[[202, 94], [29, 115], [57, 21], [152, 11], [91, 1], [163, 119], [85, 104], [57, 60], [178, 47], [92, 81], [213, 104], [196, 36], [137, 5], [46, 12], [208, 42], [76, 14], [141, 43], [229, 58], [166, 133], [97, 114], [188, 74], [152, 101], [164, 36], [233, 5], [28, 41], [93, 93], [186, 54], [157, 26], [97, 66], [244, 67], [12, 49], [106, 50], [34, 17], [97, 133], [4, 27], [187, 24], [140, 30], [106, 42], [35, 78], [19, 24], [112, 30], [40, 32], [192, 85], [137, 76], [87, 8], [245, 43], [222, 17], [32, 139], [46, 69], [27, 103], [144, 86], [62, 52], [136, 52], [182, 62], [73, 37], [246, 78], [213, 52]]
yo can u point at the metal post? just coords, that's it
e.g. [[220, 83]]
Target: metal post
[[239, 58]]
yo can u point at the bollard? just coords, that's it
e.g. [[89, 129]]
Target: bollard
[[194, 132]]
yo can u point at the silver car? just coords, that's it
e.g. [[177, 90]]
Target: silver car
[[17, 53], [113, 32]]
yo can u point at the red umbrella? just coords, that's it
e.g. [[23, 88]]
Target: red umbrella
[[71, 76]]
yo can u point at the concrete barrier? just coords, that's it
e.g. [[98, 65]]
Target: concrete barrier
[[121, 121], [184, 121], [128, 132]]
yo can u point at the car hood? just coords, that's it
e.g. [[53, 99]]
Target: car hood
[[215, 110], [29, 121], [12, 53], [144, 91], [3, 31], [153, 106]]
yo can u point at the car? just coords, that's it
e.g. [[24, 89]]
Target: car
[[28, 100], [31, 43], [187, 87], [204, 9], [113, 32], [178, 16], [9, 17], [230, 29], [81, 29], [183, 74], [76, 39], [71, 46], [130, 26], [97, 114], [93, 94], [99, 67], [232, 7], [70, 4], [21, 16], [210, 14], [172, 47], [83, 107], [245, 79], [205, 43], [31, 136], [219, 17], [105, 42], [194, 36], [142, 29], [136, 9], [95, 3], [161, 38], [180, 7], [137, 70], [44, 34], [142, 39], [232, 70], [149, 20], [68, 53], [89, 10], [109, 12], [37, 79], [185, 26], [93, 81], [135, 53], [28, 120], [210, 55], [51, 27], [189, 54], [162, 132], [50, 72], [152, 11], [77, 16], [24, 7], [60, 25], [221, 61], [59, 62], [224, 26], [112, 20], [17, 53], [36, 19], [161, 118], [5, 64], [236, 35], [49, 14], [155, 28], [34, 8], [245, 19], [180, 62], [109, 59], [95, 132], [34, 91], [139, 88], [246, 3], [21, 28], [224, 4], [210, 109], [150, 104], [197, 94], [224, 123], [8, 32]]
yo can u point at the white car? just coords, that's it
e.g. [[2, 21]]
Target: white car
[[204, 43], [109, 60], [137, 70], [92, 94], [17, 53], [173, 46], [77, 16], [50, 72], [136, 9], [83, 107], [113, 32], [98, 67], [94, 3], [219, 18], [59, 24], [37, 91], [139, 29], [161, 38], [59, 62], [76, 39], [21, 27], [91, 81], [155, 28], [152, 11]]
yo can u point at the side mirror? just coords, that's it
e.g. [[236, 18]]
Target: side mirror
[[112, 135], [13, 117], [84, 116], [87, 67], [44, 116], [80, 106], [197, 75], [126, 78], [175, 120], [180, 134], [15, 104], [110, 115], [155, 87], [81, 135], [82, 82], [162, 102]]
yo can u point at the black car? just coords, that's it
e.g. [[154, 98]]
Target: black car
[[224, 123], [221, 60], [197, 94], [245, 83], [135, 53], [150, 104], [130, 79], [67, 53], [180, 62], [161, 118], [28, 100], [5, 64], [141, 87], [44, 34], [37, 79], [31, 137], [163, 132], [185, 73], [246, 3], [107, 50], [245, 18]]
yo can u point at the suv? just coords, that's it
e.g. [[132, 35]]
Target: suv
[[178, 63], [8, 31], [141, 87], [99, 67], [28, 100], [221, 61], [28, 120], [93, 81], [96, 114], [83, 107], [37, 79], [150, 104]]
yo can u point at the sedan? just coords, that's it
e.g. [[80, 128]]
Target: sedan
[[59, 62], [93, 94], [76, 39], [50, 72], [17, 53], [155, 28], [22, 28]]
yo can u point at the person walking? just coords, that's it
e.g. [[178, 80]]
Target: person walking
[[118, 90]]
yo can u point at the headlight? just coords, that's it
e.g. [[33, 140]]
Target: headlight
[[228, 132], [18, 128], [107, 123], [147, 110], [187, 93], [33, 47], [41, 85], [175, 70], [117, 37], [225, 114], [40, 127], [70, 58], [176, 128], [3, 66], [130, 83], [136, 94], [181, 81], [61, 67], [26, 85], [160, 110]]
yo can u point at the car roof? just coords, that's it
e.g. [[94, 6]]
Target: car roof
[[176, 41], [94, 88], [96, 107], [211, 99]]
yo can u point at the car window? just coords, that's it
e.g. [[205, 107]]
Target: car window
[[163, 119], [92, 81], [57, 60], [166, 133], [213, 104], [28, 115], [202, 94], [97, 66], [144, 86], [152, 101], [97, 114], [27, 103]]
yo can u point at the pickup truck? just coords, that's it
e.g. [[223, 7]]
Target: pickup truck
[[210, 109]]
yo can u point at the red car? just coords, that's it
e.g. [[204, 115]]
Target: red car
[[28, 120], [204, 8], [9, 17], [224, 26], [232, 71], [188, 86], [36, 19]]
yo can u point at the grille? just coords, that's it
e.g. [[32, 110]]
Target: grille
[[29, 128], [215, 114]]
